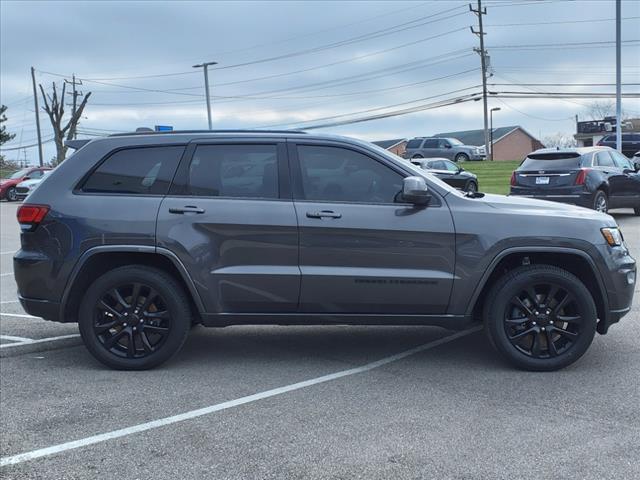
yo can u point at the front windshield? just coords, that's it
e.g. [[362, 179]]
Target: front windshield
[[454, 141], [20, 173]]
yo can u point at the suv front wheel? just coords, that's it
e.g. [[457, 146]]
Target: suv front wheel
[[134, 318], [540, 317]]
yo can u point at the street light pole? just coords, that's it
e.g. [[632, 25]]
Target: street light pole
[[495, 109], [205, 66], [618, 77]]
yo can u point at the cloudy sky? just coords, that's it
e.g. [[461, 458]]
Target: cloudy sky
[[297, 64]]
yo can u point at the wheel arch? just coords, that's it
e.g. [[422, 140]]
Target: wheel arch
[[574, 261], [99, 260]]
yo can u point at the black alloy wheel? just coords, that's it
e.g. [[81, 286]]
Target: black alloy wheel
[[540, 317], [134, 317], [472, 187], [132, 320]]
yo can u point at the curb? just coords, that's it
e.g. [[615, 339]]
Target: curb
[[46, 344]]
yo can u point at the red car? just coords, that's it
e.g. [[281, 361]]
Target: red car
[[8, 185]]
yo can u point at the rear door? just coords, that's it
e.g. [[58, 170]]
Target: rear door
[[628, 184], [603, 161], [430, 147], [230, 219], [362, 251]]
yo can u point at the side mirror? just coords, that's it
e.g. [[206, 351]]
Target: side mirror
[[446, 145], [460, 169], [628, 170], [26, 178], [415, 190]]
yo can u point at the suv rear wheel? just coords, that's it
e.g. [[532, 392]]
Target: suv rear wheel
[[134, 318], [601, 202], [540, 317]]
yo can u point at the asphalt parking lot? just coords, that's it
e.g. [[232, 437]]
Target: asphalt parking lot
[[313, 402]]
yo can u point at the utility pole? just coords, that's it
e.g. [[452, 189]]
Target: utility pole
[[76, 94], [483, 54], [618, 76], [205, 66], [35, 101]]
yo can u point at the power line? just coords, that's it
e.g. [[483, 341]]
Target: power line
[[561, 45], [562, 22], [511, 107]]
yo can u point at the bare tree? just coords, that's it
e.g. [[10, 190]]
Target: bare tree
[[599, 109], [54, 106], [560, 139]]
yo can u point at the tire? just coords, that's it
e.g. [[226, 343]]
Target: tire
[[11, 195], [569, 318], [461, 157], [417, 155], [601, 202], [471, 187], [167, 313]]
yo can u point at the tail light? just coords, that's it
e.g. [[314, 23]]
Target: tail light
[[30, 216], [513, 178], [582, 176]]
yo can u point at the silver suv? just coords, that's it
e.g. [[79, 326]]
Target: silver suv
[[451, 148]]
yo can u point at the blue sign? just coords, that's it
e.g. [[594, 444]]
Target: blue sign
[[163, 128]]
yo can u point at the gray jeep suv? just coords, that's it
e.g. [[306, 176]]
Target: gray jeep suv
[[450, 148], [139, 236]]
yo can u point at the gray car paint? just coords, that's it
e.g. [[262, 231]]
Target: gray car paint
[[394, 263]]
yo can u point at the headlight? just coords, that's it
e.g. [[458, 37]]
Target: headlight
[[613, 236]]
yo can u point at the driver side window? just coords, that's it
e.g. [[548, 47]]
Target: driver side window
[[336, 174]]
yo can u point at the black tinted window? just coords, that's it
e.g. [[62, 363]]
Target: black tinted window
[[431, 143], [551, 161], [414, 143], [341, 175], [249, 171], [146, 170]]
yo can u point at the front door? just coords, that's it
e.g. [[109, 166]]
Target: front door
[[362, 251], [230, 219]]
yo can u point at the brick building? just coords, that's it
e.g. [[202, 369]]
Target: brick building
[[397, 145]]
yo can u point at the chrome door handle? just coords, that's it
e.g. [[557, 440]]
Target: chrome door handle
[[186, 209], [324, 214]]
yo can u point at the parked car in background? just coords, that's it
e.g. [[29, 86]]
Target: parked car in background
[[8, 185], [449, 172], [630, 143], [25, 188], [594, 177], [138, 236], [449, 148]]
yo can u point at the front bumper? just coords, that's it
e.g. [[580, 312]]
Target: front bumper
[[620, 280]]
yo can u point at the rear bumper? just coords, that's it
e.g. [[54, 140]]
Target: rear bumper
[[580, 198], [41, 308]]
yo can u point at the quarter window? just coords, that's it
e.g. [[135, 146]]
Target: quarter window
[[146, 170], [603, 159], [248, 171], [337, 174]]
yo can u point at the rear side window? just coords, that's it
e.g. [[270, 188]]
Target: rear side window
[[145, 170], [551, 161], [431, 143], [415, 143], [248, 171], [603, 159]]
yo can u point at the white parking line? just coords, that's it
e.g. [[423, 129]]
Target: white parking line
[[8, 301], [19, 315], [28, 341], [7, 253], [11, 338], [6, 274], [62, 447]]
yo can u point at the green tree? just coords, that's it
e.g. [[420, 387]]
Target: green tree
[[4, 135]]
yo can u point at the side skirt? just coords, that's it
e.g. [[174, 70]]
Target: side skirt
[[452, 322]]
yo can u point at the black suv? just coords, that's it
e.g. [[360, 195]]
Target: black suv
[[630, 143], [136, 237], [594, 177]]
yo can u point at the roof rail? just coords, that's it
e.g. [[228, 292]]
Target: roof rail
[[206, 131]]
